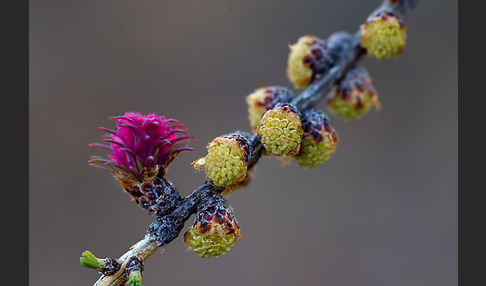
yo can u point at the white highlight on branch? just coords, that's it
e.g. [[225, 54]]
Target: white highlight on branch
[[142, 249]]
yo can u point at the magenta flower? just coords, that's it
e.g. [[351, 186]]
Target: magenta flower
[[141, 147]]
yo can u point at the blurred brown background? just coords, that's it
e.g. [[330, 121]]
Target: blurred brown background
[[383, 211]]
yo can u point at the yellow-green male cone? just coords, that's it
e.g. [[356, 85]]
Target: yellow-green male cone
[[226, 164], [215, 231], [320, 140], [354, 96], [383, 36], [280, 131]]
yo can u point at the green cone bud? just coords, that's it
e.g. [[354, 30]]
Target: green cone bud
[[134, 271], [134, 278], [354, 96], [263, 99], [320, 140], [383, 36], [107, 266], [88, 260], [280, 131], [214, 232]]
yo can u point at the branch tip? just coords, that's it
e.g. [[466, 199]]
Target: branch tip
[[88, 260]]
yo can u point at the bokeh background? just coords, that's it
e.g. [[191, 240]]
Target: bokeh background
[[382, 211]]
